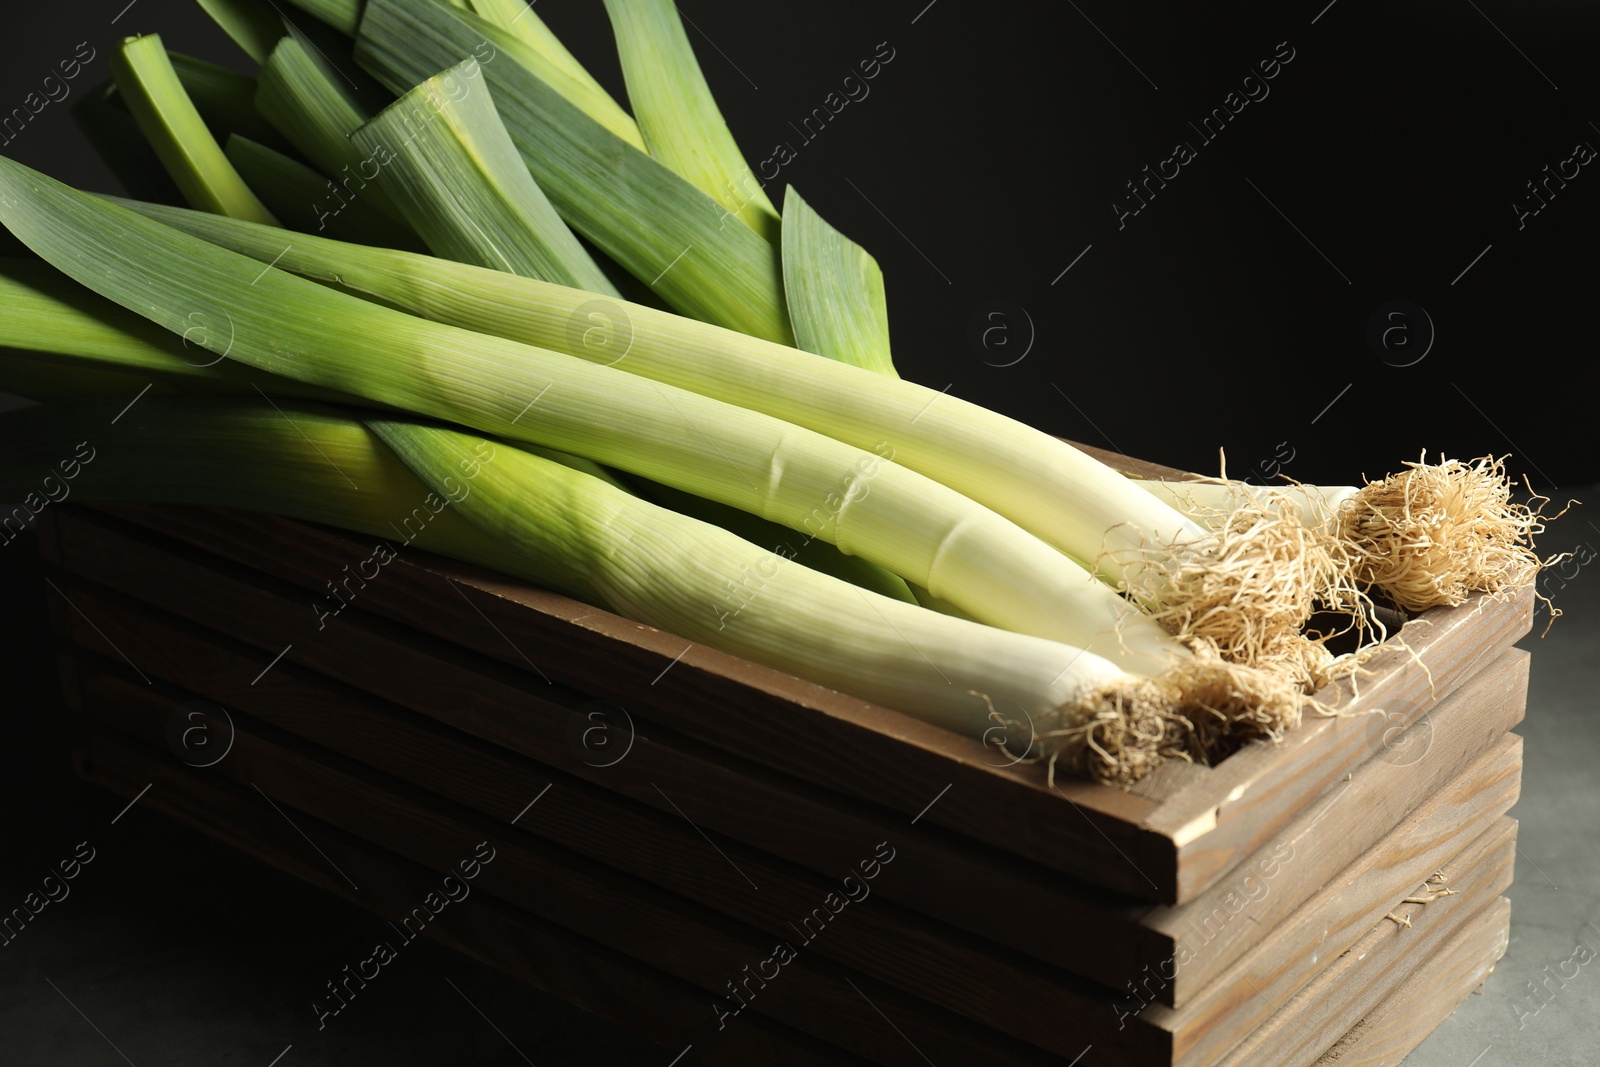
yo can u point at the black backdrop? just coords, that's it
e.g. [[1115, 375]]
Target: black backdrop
[[1379, 165]]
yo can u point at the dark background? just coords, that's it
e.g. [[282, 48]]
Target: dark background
[[983, 163], [990, 149]]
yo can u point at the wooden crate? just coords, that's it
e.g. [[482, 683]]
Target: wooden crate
[[1016, 923]]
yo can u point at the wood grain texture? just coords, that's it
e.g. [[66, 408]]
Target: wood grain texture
[[663, 930], [1341, 825], [753, 713], [1082, 929], [1091, 940], [960, 974], [584, 973], [1380, 963], [1241, 999], [1254, 794], [302, 783], [1431, 994]]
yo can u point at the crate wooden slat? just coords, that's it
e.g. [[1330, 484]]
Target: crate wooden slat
[[1387, 1034], [649, 1002], [1328, 836], [582, 972], [1039, 909], [1165, 850], [653, 927], [1376, 966], [340, 791]]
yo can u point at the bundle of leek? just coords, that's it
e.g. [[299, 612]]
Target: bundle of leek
[[1123, 627]]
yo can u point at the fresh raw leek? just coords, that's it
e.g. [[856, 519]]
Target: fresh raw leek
[[1036, 480], [550, 522], [835, 291], [857, 499], [447, 161], [148, 83], [680, 121], [653, 223]]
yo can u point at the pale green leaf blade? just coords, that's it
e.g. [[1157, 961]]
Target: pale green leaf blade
[[652, 222], [449, 164], [254, 25], [679, 118], [305, 200], [835, 291], [149, 85]]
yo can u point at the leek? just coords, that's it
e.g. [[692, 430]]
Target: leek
[[856, 499], [1058, 493], [447, 161], [548, 522], [653, 223], [680, 121], [148, 83]]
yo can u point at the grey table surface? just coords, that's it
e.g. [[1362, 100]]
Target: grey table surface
[[174, 949]]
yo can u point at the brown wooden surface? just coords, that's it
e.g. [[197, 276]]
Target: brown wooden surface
[[1348, 906], [1431, 994], [751, 712], [589, 975], [1056, 1015], [1259, 790], [1096, 938], [1328, 836], [956, 972], [1360, 980], [1084, 930], [657, 928], [1103, 835]]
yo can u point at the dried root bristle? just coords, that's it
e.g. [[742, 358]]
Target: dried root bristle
[[1200, 711], [1435, 533], [1118, 733], [1246, 588]]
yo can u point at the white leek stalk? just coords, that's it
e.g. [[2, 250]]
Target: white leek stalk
[[855, 498]]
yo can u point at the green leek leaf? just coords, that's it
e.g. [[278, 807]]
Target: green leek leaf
[[652, 222], [448, 163], [254, 25], [835, 291], [679, 118], [149, 85]]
